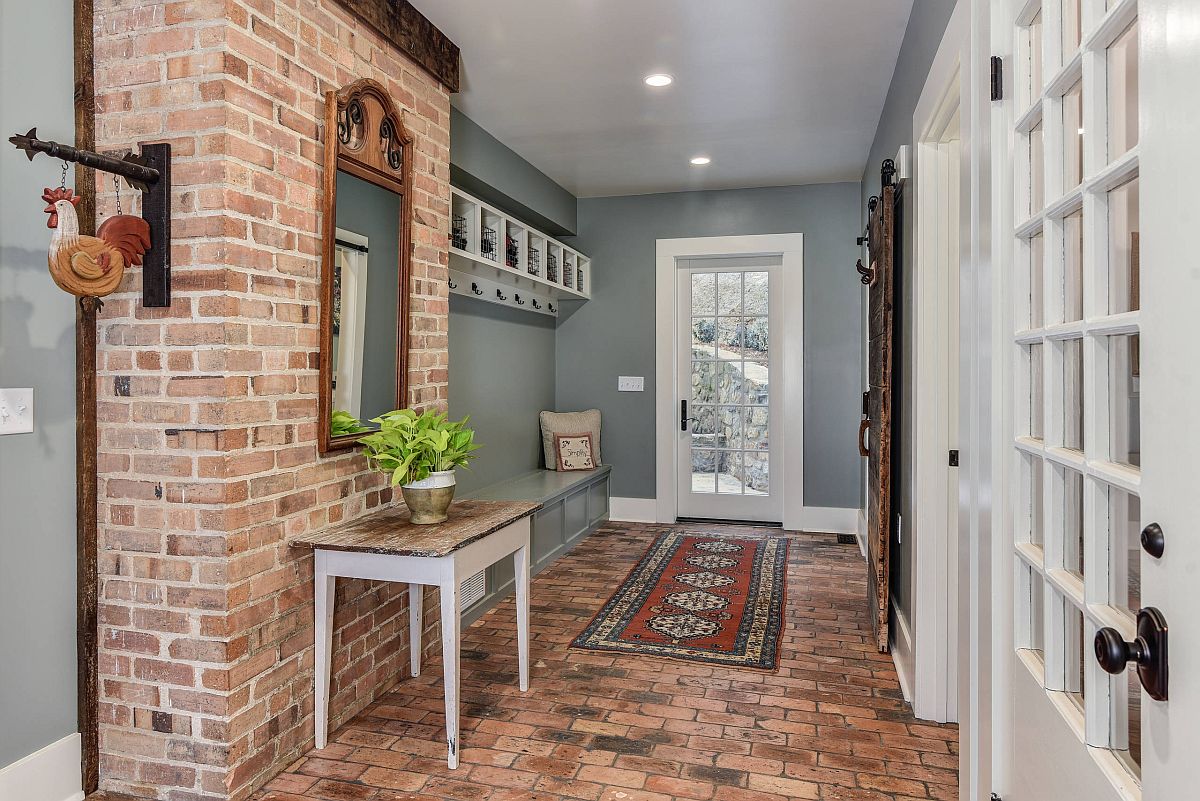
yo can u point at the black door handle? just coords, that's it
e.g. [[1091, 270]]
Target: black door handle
[[1148, 651], [683, 415]]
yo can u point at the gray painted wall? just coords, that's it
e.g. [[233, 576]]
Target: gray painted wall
[[613, 333], [501, 359], [485, 167], [37, 349], [374, 212], [502, 375], [921, 40]]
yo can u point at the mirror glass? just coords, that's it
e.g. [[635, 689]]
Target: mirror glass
[[365, 271]]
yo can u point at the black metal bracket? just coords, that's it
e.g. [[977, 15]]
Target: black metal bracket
[[887, 172], [149, 171], [997, 78]]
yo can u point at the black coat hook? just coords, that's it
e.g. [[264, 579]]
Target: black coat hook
[[452, 284], [517, 298], [501, 295], [552, 309], [536, 305], [475, 288]]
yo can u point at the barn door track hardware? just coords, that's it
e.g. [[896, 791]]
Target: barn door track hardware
[[120, 240]]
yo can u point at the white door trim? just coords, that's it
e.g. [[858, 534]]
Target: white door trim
[[934, 566], [790, 444]]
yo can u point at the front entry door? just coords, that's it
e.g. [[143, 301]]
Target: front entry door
[[1093, 170], [728, 374]]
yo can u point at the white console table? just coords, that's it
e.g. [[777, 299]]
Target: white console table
[[387, 547]]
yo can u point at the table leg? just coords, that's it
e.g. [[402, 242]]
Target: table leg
[[323, 594], [416, 625], [451, 626], [521, 571]]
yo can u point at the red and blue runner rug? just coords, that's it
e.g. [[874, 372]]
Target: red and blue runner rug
[[700, 598]]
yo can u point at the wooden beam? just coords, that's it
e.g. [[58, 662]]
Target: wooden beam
[[413, 34], [86, 570]]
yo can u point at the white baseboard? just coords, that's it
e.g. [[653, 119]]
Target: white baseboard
[[633, 510], [902, 653], [49, 774], [827, 520]]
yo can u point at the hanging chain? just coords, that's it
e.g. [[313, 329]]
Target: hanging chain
[[117, 189], [62, 184]]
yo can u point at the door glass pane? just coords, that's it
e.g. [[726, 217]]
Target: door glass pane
[[1033, 59], [729, 477], [704, 337], [1125, 413], [1073, 137], [729, 293], [730, 389], [1031, 608], [1073, 394], [1123, 92], [1072, 523], [1133, 757], [1124, 245], [1077, 652], [1072, 284], [731, 337], [729, 435], [1125, 531], [1037, 170], [704, 382], [756, 293], [757, 429], [1035, 497], [758, 476], [757, 339], [1036, 392], [704, 294], [704, 471], [1071, 30], [1037, 312]]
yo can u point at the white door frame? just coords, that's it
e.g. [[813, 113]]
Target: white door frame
[[790, 444], [941, 188]]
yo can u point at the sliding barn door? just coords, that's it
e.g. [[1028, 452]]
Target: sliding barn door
[[878, 424]]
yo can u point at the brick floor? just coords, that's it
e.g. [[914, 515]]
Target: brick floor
[[830, 724]]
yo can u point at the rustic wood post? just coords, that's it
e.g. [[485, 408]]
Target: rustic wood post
[[86, 578]]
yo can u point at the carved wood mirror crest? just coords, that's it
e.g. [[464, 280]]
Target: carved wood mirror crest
[[367, 245]]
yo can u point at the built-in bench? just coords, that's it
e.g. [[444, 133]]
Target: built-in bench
[[573, 504]]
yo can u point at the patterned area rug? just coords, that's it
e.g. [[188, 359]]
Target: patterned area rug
[[701, 598]]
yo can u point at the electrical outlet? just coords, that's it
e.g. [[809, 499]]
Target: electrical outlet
[[16, 411], [631, 383]]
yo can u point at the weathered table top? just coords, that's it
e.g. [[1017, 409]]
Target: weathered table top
[[390, 532]]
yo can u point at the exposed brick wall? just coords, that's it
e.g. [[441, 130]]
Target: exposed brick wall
[[208, 456]]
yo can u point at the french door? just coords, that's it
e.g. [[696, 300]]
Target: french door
[[727, 364], [1094, 172]]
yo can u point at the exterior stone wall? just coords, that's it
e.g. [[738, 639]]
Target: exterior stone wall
[[719, 430], [208, 456]]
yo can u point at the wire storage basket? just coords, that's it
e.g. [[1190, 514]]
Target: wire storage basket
[[579, 278], [568, 274], [487, 243], [533, 261], [458, 232], [511, 252], [551, 267]]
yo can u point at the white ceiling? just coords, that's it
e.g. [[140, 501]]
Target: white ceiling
[[776, 92]]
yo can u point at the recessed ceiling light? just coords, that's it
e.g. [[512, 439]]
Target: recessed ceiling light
[[658, 79], [700, 161]]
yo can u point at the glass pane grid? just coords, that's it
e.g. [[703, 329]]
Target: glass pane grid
[[1084, 283], [730, 383]]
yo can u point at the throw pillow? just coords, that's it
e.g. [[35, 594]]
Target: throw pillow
[[569, 423], [574, 452]]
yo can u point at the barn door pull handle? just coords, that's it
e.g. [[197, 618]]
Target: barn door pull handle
[[863, 449], [1148, 651], [867, 273]]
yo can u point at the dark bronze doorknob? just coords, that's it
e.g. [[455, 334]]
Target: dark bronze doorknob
[[1153, 541], [1148, 651]]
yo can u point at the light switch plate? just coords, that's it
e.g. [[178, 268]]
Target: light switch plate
[[631, 383], [16, 411]]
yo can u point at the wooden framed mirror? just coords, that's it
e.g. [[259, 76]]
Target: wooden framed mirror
[[367, 244]]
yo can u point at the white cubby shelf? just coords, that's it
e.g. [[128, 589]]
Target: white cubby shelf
[[492, 249]]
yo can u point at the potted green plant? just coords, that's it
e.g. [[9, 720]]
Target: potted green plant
[[420, 453]]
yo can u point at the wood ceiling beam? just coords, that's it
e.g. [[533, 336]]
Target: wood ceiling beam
[[411, 32]]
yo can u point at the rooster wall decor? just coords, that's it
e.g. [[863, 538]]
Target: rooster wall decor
[[89, 266]]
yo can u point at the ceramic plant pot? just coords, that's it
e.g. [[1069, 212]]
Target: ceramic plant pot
[[429, 498]]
